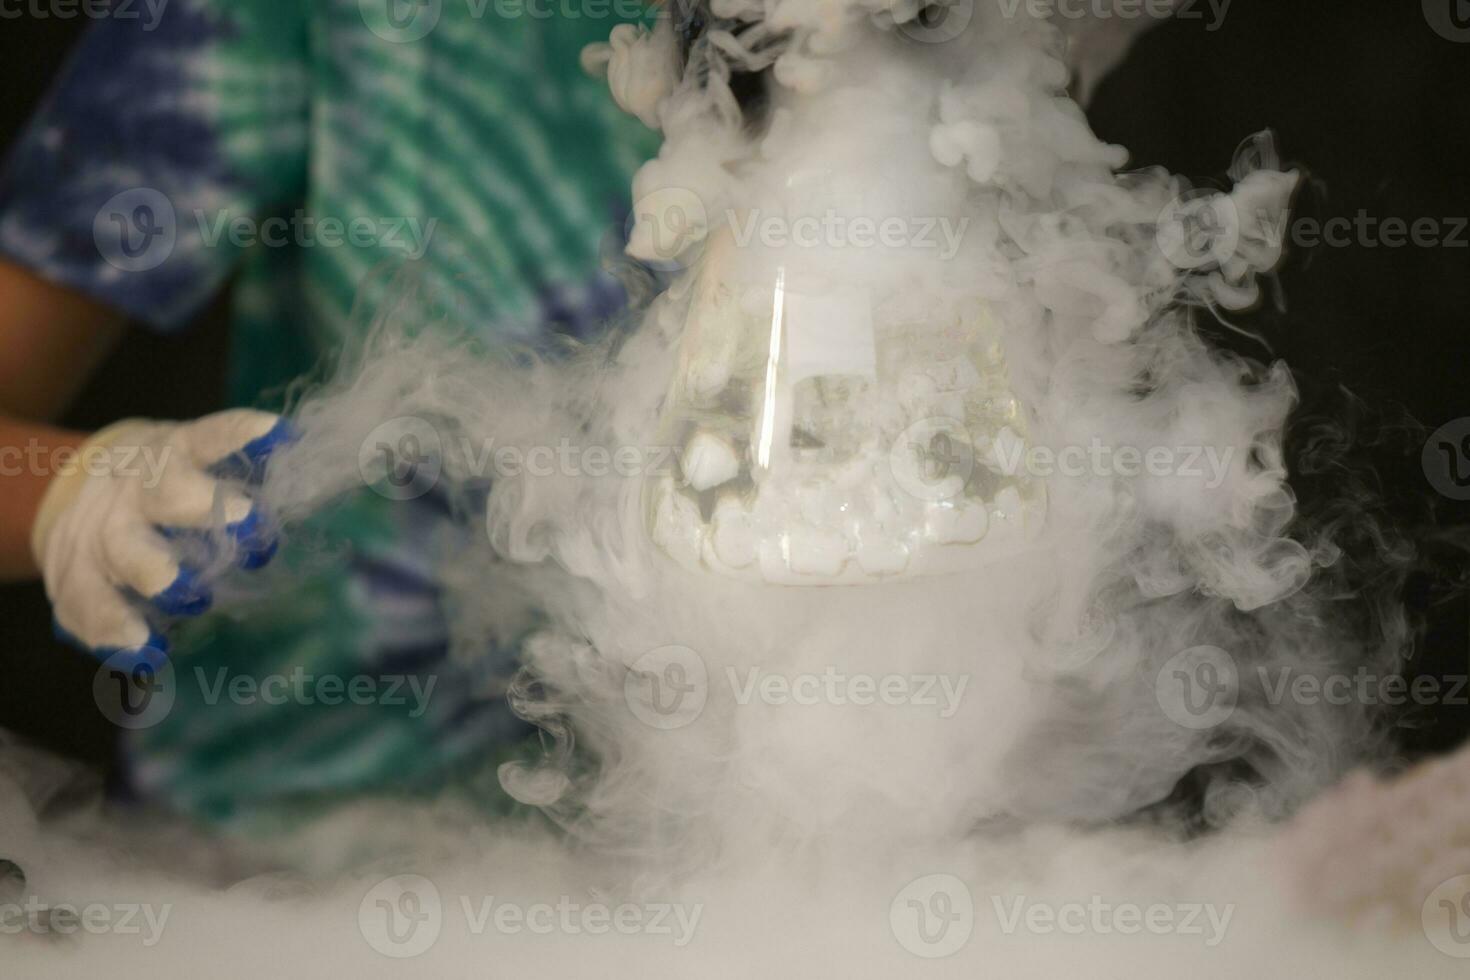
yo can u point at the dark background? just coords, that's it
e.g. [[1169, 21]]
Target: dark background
[[1373, 106], [1364, 97]]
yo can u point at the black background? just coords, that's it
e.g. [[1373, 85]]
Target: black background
[[1370, 103], [1364, 97]]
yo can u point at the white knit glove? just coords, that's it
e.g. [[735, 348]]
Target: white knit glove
[[102, 537]]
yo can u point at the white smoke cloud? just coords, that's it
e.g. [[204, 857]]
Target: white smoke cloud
[[1086, 695]]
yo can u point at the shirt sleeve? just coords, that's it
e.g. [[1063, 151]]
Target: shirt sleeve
[[163, 137]]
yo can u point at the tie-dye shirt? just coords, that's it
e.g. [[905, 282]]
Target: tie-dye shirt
[[300, 148], [298, 144]]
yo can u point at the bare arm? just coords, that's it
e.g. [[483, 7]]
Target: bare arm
[[51, 340]]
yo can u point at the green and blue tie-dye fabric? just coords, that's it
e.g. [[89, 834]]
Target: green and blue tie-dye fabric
[[296, 149]]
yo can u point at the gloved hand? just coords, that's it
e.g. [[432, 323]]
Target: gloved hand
[[104, 537]]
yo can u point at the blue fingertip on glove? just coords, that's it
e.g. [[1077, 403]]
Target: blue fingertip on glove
[[187, 596], [255, 542], [247, 464]]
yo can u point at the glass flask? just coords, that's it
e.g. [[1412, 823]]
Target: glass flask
[[839, 417]]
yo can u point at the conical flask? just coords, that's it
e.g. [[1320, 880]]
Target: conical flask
[[838, 419]]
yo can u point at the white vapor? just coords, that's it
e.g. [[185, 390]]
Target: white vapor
[[791, 759]]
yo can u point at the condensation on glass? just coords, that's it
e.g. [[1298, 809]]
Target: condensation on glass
[[836, 424]]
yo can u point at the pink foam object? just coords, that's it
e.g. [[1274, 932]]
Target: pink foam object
[[1371, 850]]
